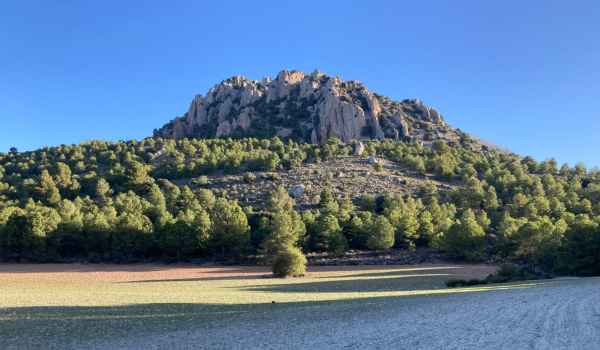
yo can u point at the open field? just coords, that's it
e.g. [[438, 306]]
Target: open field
[[161, 306]]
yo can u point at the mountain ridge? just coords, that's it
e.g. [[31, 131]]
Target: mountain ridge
[[309, 108]]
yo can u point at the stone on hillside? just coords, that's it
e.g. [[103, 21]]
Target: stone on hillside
[[359, 148], [297, 191], [373, 160]]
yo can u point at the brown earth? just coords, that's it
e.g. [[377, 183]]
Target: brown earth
[[158, 272]]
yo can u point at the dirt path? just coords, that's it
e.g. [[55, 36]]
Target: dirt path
[[560, 314]]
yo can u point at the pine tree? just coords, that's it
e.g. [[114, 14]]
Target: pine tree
[[328, 235], [47, 190], [103, 190], [286, 229], [490, 200], [382, 234], [328, 204], [466, 238], [426, 228], [231, 232]]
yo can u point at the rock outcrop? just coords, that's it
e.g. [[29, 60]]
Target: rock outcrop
[[305, 107]]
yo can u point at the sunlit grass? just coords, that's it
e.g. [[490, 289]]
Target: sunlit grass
[[73, 308], [21, 291]]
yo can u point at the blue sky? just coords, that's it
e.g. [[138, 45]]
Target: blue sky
[[522, 74]]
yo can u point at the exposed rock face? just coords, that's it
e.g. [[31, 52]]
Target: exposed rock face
[[359, 148], [311, 108]]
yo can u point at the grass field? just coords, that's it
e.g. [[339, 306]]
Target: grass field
[[65, 306]]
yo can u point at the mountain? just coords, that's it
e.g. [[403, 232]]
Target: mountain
[[191, 195], [307, 107]]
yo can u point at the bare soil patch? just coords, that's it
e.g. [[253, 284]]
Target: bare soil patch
[[158, 272]]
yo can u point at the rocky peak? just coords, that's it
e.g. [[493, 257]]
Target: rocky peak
[[306, 107]]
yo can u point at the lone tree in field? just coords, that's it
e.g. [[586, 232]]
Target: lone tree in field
[[289, 262], [286, 228]]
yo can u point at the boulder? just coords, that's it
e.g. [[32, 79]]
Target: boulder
[[359, 148], [373, 160], [297, 191]]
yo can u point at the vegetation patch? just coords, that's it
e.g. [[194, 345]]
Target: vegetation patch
[[506, 273], [213, 200]]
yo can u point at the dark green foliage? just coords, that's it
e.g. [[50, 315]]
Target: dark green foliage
[[286, 231], [464, 283], [123, 201], [465, 239], [581, 249], [231, 232], [326, 235], [289, 262], [178, 240], [328, 204], [381, 234], [17, 239], [359, 230], [506, 273]]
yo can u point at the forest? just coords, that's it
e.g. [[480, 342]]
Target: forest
[[148, 200]]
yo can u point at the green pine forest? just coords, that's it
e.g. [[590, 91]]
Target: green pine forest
[[114, 202]]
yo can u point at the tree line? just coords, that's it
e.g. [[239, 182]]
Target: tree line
[[131, 201]]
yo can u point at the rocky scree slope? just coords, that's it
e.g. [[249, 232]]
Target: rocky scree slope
[[308, 108], [350, 176]]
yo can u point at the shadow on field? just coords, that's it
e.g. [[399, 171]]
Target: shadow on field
[[75, 327], [204, 279], [144, 272], [79, 267], [436, 274], [417, 282], [444, 271], [403, 279]]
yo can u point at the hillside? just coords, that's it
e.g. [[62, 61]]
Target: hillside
[[307, 108], [406, 181], [215, 199]]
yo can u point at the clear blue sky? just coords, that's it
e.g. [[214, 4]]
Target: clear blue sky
[[522, 74]]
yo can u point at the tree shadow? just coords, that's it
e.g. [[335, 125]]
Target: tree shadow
[[453, 271], [70, 327], [25, 268], [83, 267], [401, 280], [83, 327], [417, 282], [78, 327], [204, 279]]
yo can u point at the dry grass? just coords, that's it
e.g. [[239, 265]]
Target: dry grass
[[110, 285], [72, 305]]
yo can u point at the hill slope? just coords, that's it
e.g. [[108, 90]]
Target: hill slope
[[180, 198]]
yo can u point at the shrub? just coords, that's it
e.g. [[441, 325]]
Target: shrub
[[289, 262], [273, 177], [249, 178], [201, 181], [506, 273], [464, 283], [511, 273]]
